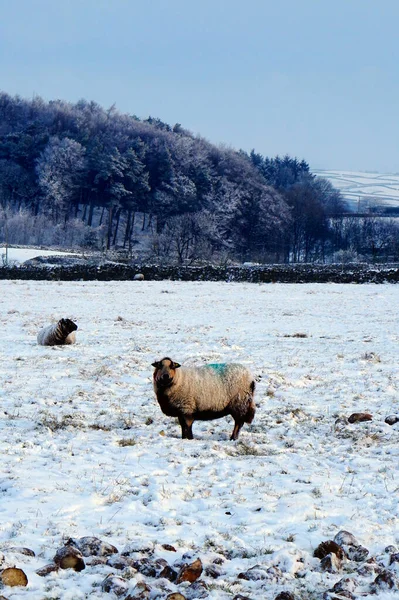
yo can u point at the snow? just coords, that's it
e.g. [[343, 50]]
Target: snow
[[20, 255], [86, 450], [363, 187]]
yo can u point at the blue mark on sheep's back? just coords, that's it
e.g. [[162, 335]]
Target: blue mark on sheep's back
[[220, 368]]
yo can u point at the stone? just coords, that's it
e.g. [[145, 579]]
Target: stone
[[168, 547], [142, 591], [161, 563], [129, 573], [145, 567], [338, 596], [344, 538], [259, 573], [392, 419], [190, 572], [213, 571], [357, 553], [69, 557], [198, 589], [118, 561], [385, 581], [13, 577], [168, 573], [92, 546], [47, 569], [328, 547], [255, 573], [371, 567], [115, 585], [21, 550], [331, 563], [360, 417], [346, 584]]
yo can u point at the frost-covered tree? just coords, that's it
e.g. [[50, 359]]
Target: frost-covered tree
[[186, 239], [259, 223], [59, 170]]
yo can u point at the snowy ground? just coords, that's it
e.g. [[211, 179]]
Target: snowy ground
[[86, 450]]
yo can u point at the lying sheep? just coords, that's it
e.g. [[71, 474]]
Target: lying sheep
[[204, 393], [58, 334]]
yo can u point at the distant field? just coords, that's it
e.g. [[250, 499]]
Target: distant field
[[20, 255], [362, 189]]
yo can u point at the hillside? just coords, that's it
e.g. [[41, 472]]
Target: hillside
[[363, 190], [78, 176]]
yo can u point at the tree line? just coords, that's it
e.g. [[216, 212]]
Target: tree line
[[78, 175]]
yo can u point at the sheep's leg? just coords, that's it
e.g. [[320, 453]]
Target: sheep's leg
[[186, 425], [190, 430], [236, 430], [183, 428]]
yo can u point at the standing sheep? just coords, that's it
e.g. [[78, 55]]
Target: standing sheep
[[58, 334], [204, 393]]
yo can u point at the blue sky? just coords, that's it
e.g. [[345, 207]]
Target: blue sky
[[317, 79]]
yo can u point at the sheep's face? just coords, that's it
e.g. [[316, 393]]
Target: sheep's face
[[165, 371], [67, 326]]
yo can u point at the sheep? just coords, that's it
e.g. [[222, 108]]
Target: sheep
[[59, 334], [204, 393]]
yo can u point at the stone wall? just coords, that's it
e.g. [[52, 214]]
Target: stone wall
[[310, 273]]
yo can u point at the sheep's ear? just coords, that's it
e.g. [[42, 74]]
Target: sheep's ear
[[157, 365], [175, 365]]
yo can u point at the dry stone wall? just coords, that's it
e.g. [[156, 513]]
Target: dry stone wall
[[309, 273]]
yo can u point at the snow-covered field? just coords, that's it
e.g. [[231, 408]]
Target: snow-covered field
[[16, 256], [362, 189], [86, 451]]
